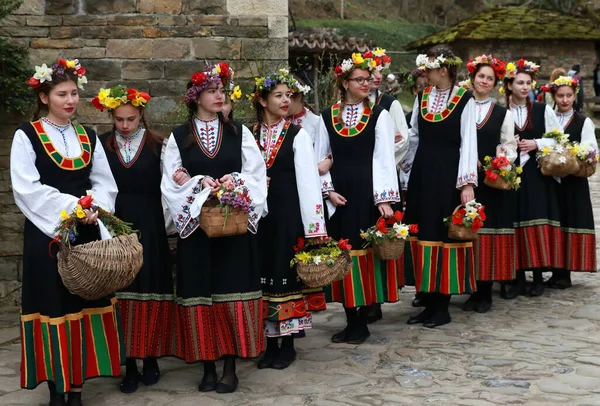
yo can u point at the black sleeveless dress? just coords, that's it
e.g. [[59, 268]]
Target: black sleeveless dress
[[577, 216], [147, 306], [495, 245], [219, 300], [369, 281], [440, 264], [64, 338], [540, 242]]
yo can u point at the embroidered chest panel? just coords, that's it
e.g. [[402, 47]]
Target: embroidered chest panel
[[442, 115], [272, 143], [359, 123], [69, 164], [209, 137]]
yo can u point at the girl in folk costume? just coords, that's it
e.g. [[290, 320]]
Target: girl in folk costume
[[443, 163], [300, 113], [218, 280], [537, 228], [361, 186], [495, 245], [53, 162], [295, 211], [147, 306], [577, 217], [392, 105]]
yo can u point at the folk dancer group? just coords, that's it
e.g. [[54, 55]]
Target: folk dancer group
[[307, 175]]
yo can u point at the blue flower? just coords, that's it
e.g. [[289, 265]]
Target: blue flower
[[71, 236], [268, 82]]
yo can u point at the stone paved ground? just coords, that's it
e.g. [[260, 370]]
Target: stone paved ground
[[530, 351]]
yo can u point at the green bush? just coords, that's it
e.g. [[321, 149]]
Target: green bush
[[15, 94]]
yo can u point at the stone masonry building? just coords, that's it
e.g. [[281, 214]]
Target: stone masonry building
[[152, 45]]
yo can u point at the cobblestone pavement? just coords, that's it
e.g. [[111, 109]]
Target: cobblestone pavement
[[529, 351]]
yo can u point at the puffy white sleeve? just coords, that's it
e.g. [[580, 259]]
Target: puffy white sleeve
[[169, 224], [42, 204], [103, 183], [551, 122], [254, 177], [507, 137], [310, 124], [588, 134], [400, 127], [322, 151], [307, 181], [413, 138], [180, 198], [467, 165], [385, 177]]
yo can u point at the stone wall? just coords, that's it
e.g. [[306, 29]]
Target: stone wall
[[152, 45], [550, 54]]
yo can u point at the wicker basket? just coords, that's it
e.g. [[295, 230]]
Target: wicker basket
[[499, 183], [550, 164], [212, 221], [389, 249], [99, 268], [316, 276], [460, 232], [585, 169]]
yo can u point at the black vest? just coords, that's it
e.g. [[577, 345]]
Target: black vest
[[385, 100], [488, 133], [575, 127], [538, 126]]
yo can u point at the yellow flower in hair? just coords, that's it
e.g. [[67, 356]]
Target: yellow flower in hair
[[236, 94], [111, 103], [511, 66], [533, 84], [357, 58], [79, 212], [379, 52], [70, 64], [103, 94], [64, 215], [373, 63], [501, 90]]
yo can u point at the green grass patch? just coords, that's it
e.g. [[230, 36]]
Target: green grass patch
[[391, 35]]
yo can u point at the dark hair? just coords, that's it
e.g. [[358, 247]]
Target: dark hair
[[301, 95], [47, 86], [576, 68], [153, 140], [478, 68], [508, 93], [192, 110], [343, 91], [447, 52]]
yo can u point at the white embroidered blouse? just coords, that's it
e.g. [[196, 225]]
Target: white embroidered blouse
[[588, 133], [307, 120]]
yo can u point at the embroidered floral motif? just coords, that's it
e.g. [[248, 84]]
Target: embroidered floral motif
[[270, 138], [319, 209], [184, 223], [351, 115], [390, 195], [467, 178], [284, 281], [209, 136], [263, 280], [315, 228], [327, 187]]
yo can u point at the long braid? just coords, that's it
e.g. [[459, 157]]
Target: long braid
[[260, 117], [340, 115], [191, 113], [529, 114], [225, 121]]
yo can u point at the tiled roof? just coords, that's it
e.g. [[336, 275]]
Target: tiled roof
[[517, 23], [320, 42]]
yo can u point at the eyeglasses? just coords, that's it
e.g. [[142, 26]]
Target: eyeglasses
[[362, 80]]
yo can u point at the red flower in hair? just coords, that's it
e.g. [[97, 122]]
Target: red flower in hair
[[62, 62], [413, 228], [198, 78], [81, 71], [521, 63], [33, 82], [343, 244], [97, 104], [338, 71], [368, 54], [471, 66], [224, 69], [299, 244], [381, 226], [387, 59]]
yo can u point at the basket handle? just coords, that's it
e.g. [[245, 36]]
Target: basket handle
[[458, 208]]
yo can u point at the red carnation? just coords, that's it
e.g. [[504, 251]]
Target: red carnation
[[368, 54], [495, 163], [198, 78], [224, 67], [343, 244], [62, 62], [471, 66], [521, 63], [33, 82], [413, 228], [299, 244], [387, 59], [81, 71], [338, 71], [477, 224], [97, 104], [86, 201]]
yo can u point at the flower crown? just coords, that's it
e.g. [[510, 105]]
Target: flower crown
[[562, 81], [379, 56], [496, 64], [220, 72], [44, 73], [119, 95], [269, 82], [424, 61], [521, 66], [358, 61]]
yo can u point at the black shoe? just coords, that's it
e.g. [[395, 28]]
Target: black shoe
[[358, 335], [537, 290], [420, 300], [150, 372], [341, 337], [514, 290], [285, 358], [471, 303], [223, 387], [268, 359], [208, 383], [300, 334], [421, 317], [483, 306], [438, 320], [74, 399], [375, 313], [129, 384], [57, 399]]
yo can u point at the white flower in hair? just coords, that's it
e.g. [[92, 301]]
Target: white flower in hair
[[43, 73], [347, 65], [81, 81], [422, 60]]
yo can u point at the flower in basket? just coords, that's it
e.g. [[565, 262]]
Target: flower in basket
[[585, 152], [390, 229], [559, 136], [472, 215], [233, 197], [66, 231], [501, 167], [324, 250]]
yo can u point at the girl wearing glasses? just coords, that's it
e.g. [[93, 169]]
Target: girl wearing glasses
[[443, 164], [360, 187]]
